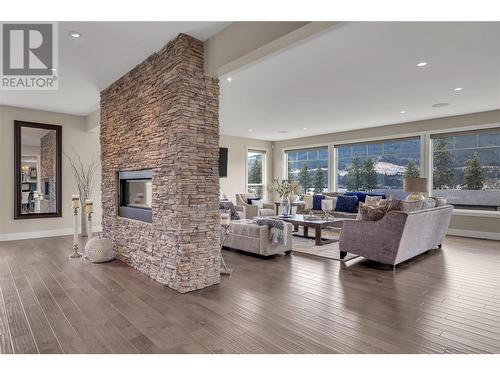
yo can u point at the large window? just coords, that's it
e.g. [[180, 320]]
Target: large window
[[466, 168], [256, 164], [309, 167], [378, 166]]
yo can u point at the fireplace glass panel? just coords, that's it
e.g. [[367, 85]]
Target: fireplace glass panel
[[138, 193], [135, 195]]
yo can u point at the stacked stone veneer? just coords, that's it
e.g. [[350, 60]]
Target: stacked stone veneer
[[48, 171], [163, 115]]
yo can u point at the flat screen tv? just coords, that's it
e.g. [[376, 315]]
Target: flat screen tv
[[222, 162]]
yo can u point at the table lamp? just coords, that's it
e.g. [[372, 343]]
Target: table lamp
[[417, 186]]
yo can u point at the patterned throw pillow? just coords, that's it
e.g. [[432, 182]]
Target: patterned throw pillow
[[373, 200], [347, 203], [227, 205], [370, 213], [390, 204]]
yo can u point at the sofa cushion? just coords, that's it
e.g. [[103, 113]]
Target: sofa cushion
[[409, 206], [317, 198], [245, 228], [370, 213], [347, 203]]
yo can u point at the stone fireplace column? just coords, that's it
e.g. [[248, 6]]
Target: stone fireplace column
[[164, 115]]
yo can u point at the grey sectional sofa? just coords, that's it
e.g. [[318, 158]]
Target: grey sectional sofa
[[398, 236]]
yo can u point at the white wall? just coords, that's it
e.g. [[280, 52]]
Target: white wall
[[74, 137], [235, 181]]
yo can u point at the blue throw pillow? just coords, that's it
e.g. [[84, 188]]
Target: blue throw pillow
[[317, 198], [360, 194], [347, 203]]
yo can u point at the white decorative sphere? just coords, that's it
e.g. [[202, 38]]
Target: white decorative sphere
[[99, 250]]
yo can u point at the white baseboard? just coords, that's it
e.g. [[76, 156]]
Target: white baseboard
[[474, 234], [42, 234]]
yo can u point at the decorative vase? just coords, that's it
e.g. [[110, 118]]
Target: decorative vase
[[286, 206]]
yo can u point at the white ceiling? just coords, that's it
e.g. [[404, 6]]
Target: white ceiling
[[105, 52], [362, 74]]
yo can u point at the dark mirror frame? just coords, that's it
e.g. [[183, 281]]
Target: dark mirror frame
[[17, 170]]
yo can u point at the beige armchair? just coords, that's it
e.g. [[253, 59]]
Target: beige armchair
[[252, 210]]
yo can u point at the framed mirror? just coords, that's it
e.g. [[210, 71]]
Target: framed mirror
[[37, 170]]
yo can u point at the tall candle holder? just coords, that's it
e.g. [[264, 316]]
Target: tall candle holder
[[89, 210], [75, 204], [225, 231]]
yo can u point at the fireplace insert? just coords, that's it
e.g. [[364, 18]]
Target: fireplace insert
[[135, 195]]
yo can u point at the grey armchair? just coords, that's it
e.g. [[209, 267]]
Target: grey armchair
[[252, 210], [397, 237]]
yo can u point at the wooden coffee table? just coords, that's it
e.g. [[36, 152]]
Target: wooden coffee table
[[299, 220]]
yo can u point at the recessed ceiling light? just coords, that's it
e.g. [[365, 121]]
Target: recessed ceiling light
[[74, 34], [458, 88], [439, 105], [422, 63], [229, 79], [304, 128], [250, 130], [283, 131], [403, 111]]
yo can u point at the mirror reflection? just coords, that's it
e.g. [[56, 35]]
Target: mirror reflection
[[38, 170]]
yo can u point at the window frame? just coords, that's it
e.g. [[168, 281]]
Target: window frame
[[262, 151], [284, 174], [430, 183], [399, 137], [426, 166]]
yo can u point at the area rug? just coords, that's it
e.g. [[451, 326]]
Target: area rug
[[329, 250]]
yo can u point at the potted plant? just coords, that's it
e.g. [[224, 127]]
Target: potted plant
[[286, 189]]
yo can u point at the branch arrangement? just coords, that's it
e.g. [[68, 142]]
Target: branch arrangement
[[286, 188], [83, 174]]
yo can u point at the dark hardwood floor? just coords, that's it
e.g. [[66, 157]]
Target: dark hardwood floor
[[445, 301]]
